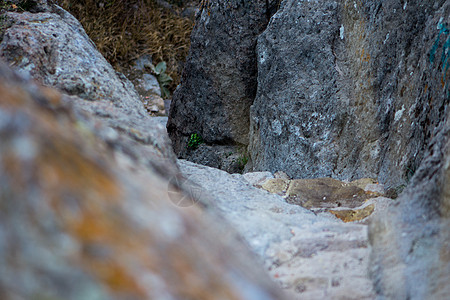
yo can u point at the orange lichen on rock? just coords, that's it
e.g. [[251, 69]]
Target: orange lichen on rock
[[119, 230], [352, 215], [365, 57], [82, 192]]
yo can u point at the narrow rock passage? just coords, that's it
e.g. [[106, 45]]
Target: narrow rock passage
[[311, 256]]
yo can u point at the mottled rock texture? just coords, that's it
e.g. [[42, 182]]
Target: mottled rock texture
[[348, 201], [227, 158], [219, 80], [85, 208], [350, 89], [80, 221], [411, 242], [52, 47], [312, 256]]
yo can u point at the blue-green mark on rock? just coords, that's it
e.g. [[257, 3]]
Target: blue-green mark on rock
[[445, 53]]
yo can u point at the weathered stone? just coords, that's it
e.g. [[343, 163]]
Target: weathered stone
[[292, 81], [154, 104], [364, 214], [311, 256], [370, 209], [53, 48], [411, 241], [142, 139], [350, 89], [218, 84], [362, 183], [257, 178], [86, 212], [349, 201], [80, 219], [227, 158], [277, 186], [325, 193], [145, 83], [281, 174], [330, 262], [149, 84], [375, 189], [356, 214]]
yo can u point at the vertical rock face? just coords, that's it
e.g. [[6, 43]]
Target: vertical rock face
[[411, 243], [219, 80], [350, 89], [297, 113]]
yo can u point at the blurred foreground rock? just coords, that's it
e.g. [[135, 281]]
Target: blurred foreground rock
[[88, 183], [80, 220], [51, 47]]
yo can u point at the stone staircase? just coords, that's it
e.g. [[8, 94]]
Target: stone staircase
[[318, 251]]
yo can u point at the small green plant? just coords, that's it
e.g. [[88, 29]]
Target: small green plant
[[194, 141], [243, 157], [242, 161], [164, 79]]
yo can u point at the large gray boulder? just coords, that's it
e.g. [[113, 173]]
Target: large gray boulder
[[350, 89], [296, 113], [218, 84]]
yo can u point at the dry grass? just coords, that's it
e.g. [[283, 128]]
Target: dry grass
[[124, 30]]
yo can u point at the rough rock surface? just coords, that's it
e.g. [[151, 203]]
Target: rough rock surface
[[345, 89], [87, 211], [80, 220], [311, 256], [227, 158], [411, 242], [356, 201], [350, 89], [218, 84], [52, 47]]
